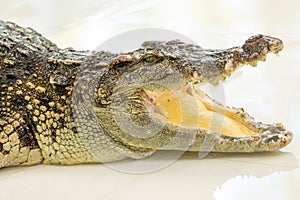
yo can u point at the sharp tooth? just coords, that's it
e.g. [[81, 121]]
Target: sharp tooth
[[277, 54]]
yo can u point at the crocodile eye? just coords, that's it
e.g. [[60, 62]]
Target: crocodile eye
[[150, 59]]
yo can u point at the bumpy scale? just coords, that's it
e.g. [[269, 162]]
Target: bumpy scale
[[62, 106]]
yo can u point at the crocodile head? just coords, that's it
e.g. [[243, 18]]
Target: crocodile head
[[157, 86], [69, 107]]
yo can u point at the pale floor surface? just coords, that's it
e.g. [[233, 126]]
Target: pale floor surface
[[269, 92]]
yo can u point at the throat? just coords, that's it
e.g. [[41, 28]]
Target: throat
[[190, 107]]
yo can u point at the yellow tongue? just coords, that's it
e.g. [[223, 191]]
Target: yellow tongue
[[184, 109]]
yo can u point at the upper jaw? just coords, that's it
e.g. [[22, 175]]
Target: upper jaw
[[257, 47], [273, 45], [214, 66]]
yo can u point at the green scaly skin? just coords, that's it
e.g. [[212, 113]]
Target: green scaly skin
[[62, 106]]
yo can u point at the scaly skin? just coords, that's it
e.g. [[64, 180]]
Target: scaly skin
[[62, 106]]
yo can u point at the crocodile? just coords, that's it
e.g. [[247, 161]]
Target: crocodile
[[63, 106]]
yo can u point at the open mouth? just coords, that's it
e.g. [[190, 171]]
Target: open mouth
[[190, 107], [168, 111], [232, 129]]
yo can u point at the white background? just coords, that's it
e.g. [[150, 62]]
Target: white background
[[269, 92]]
